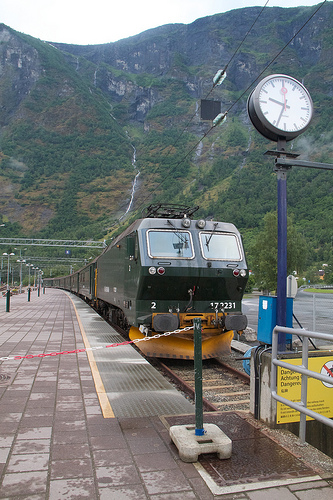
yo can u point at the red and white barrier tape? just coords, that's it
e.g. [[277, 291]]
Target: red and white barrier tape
[[75, 351]]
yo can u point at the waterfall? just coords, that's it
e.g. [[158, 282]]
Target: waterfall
[[134, 185], [246, 151], [134, 156]]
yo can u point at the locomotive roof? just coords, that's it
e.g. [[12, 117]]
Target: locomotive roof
[[170, 223], [177, 223]]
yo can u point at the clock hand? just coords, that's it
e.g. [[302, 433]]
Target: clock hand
[[276, 102], [280, 116], [284, 104], [279, 102], [284, 92]]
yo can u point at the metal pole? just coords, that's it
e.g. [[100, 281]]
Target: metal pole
[[8, 287], [29, 288], [8, 301], [21, 276], [281, 302], [199, 430], [21, 261], [304, 391]]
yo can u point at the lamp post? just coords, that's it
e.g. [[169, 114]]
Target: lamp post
[[21, 261], [35, 269], [8, 287], [8, 266], [39, 280], [29, 288]]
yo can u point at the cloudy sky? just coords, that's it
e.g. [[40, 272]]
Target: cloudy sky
[[102, 21]]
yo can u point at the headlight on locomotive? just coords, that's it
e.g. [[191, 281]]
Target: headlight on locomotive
[[239, 272], [165, 323]]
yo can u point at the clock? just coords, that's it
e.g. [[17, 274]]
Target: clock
[[280, 107]]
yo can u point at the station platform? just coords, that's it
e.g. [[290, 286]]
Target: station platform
[[81, 419]]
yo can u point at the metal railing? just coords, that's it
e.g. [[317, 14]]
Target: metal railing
[[313, 310], [305, 373]]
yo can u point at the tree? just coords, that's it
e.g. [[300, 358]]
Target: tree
[[328, 277], [264, 252]]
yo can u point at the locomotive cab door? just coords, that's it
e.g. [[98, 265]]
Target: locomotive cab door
[[132, 247], [93, 281], [131, 276]]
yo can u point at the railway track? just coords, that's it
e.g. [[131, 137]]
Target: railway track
[[224, 387]]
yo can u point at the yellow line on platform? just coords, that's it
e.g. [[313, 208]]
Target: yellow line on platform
[[102, 396]]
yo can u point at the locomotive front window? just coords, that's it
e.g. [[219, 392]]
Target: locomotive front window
[[170, 244], [220, 246]]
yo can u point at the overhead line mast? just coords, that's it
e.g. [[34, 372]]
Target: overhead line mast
[[53, 243]]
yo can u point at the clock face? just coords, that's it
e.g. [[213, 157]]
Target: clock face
[[280, 107]]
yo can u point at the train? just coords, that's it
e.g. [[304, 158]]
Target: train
[[160, 273]]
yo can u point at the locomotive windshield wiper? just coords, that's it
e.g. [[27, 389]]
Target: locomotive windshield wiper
[[211, 235], [183, 238]]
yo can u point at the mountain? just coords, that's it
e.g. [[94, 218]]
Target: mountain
[[80, 123], [61, 149]]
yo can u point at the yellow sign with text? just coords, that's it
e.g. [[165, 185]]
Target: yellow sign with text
[[320, 394]]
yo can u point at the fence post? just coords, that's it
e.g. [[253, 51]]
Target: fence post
[[313, 312], [304, 390]]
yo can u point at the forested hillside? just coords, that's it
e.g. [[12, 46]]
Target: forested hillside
[[78, 123]]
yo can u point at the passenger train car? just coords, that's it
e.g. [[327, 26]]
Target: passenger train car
[[161, 272]]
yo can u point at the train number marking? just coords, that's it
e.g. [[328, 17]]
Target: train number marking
[[153, 305], [223, 305]]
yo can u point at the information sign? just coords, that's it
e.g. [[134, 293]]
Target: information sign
[[320, 394]]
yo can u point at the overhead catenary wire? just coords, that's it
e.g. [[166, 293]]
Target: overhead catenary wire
[[217, 80], [221, 74], [277, 55], [223, 115], [247, 89], [224, 70]]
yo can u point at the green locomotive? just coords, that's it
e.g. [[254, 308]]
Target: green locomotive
[[161, 272]]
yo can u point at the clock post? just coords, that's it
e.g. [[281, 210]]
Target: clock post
[[280, 108]]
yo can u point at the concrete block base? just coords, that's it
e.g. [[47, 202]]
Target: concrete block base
[[191, 446]]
